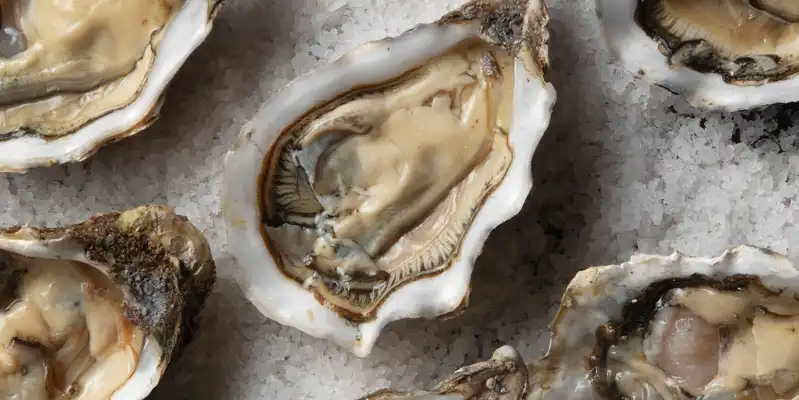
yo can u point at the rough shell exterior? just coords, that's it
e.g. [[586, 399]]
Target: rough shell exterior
[[162, 262]]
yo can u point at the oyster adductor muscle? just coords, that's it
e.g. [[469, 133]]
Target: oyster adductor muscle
[[99, 309], [677, 328]]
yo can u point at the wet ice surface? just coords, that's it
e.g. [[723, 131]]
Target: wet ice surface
[[623, 168]]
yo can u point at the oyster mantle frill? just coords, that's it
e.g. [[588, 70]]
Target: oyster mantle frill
[[720, 54], [362, 193], [99, 309], [77, 75]]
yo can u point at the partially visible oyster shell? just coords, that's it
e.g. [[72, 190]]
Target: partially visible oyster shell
[[363, 192], [677, 328], [99, 309], [503, 377], [721, 54], [77, 75], [656, 328]]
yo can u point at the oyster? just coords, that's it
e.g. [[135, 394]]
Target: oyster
[[503, 377], [721, 54], [677, 328], [99, 309], [363, 192], [77, 75]]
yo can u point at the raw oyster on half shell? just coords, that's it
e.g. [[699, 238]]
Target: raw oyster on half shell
[[503, 377], [363, 192], [99, 309], [722, 54], [78, 74], [677, 328]]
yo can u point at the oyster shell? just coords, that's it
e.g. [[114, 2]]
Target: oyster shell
[[503, 377], [363, 192], [99, 309], [676, 328], [77, 75], [721, 54]]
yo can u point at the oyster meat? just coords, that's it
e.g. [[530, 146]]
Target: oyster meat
[[722, 54], [384, 187], [503, 377], [362, 193], [85, 72], [677, 328], [99, 309]]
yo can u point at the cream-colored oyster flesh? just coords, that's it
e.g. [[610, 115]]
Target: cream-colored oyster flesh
[[363, 192], [503, 377], [382, 185], [98, 310], [746, 41], [76, 75], [63, 323], [677, 328], [66, 63]]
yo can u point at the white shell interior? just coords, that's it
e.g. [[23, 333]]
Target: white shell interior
[[150, 368], [639, 54], [597, 295], [284, 300], [185, 33]]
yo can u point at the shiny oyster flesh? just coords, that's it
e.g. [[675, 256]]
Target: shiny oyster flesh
[[677, 328], [380, 187], [99, 309], [94, 69], [369, 186], [503, 377], [729, 54]]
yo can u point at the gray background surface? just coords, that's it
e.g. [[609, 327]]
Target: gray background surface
[[623, 168]]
